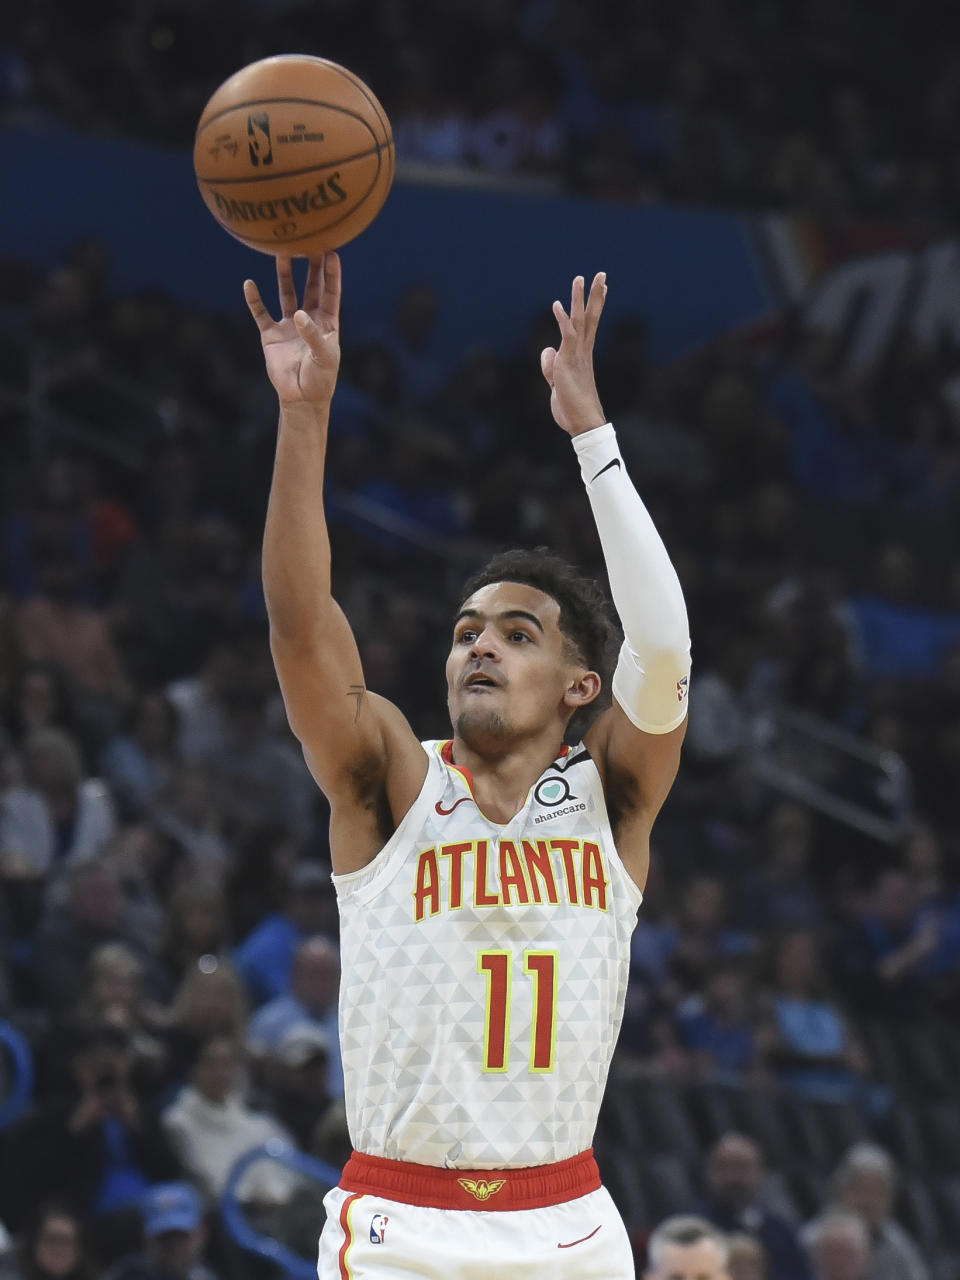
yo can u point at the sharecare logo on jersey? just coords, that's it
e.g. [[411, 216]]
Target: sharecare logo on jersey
[[561, 813], [508, 873], [550, 791], [378, 1228]]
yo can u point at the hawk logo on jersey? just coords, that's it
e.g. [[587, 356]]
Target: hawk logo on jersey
[[378, 1228], [480, 1188]]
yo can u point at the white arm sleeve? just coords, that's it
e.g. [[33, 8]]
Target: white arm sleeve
[[651, 681]]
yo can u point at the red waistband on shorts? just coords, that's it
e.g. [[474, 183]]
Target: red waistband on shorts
[[431, 1187]]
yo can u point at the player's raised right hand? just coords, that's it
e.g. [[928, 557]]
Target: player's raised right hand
[[302, 348]]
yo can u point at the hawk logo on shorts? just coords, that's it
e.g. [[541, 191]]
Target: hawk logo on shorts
[[481, 1189]]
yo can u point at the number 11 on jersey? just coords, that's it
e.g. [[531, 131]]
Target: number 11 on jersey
[[541, 968]]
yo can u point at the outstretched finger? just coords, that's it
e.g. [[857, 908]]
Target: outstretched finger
[[567, 329], [576, 301], [598, 295], [330, 295], [313, 289], [264, 320], [547, 356], [286, 289]]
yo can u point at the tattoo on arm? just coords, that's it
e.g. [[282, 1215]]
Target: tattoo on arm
[[357, 691]]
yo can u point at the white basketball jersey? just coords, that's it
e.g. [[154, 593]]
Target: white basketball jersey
[[484, 974]]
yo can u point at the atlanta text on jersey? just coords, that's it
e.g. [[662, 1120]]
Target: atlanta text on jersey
[[483, 873]]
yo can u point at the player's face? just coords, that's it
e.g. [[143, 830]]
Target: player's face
[[508, 673], [701, 1261]]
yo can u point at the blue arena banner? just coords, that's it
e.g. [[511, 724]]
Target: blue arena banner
[[496, 259]]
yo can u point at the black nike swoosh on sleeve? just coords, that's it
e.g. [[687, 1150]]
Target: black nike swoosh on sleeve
[[614, 462]]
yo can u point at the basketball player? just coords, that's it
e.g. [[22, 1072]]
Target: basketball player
[[488, 885]]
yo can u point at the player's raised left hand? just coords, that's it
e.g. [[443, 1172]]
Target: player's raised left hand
[[569, 370], [302, 348]]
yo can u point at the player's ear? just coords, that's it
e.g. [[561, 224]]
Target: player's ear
[[582, 689]]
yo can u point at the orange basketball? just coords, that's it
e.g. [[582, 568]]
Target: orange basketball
[[294, 155]]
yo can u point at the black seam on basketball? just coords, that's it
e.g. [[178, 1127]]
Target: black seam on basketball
[[307, 235], [368, 94], [347, 74], [293, 173], [269, 102]]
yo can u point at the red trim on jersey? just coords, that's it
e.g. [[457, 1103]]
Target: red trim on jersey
[[446, 755], [431, 1187], [345, 1272]]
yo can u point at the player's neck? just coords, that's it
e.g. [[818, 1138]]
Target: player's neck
[[503, 774]]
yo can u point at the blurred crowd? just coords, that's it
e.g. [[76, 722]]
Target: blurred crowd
[[807, 105], [169, 930]]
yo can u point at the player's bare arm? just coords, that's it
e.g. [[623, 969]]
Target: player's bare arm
[[359, 747], [636, 743]]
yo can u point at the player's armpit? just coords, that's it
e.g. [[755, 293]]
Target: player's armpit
[[637, 768]]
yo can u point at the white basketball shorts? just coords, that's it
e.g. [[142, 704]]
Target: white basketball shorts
[[427, 1233]]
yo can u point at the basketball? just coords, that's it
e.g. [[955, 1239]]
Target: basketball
[[294, 155]]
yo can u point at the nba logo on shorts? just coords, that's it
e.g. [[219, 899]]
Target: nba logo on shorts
[[378, 1228]]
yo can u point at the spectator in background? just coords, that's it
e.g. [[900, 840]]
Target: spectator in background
[[748, 1258], [864, 1184], [839, 1247], [295, 1073], [114, 986], [257, 778], [686, 1248], [724, 725], [704, 935], [187, 811], [139, 762], [411, 342], [38, 698], [780, 894], [58, 815], [734, 1178], [806, 1041], [209, 1001], [91, 912], [57, 625], [174, 1238], [265, 958], [884, 959], [97, 1147], [198, 700], [210, 1126], [258, 881], [112, 996], [195, 926], [53, 1248], [718, 1026], [312, 1001]]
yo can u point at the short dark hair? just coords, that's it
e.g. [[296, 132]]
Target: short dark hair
[[591, 635]]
